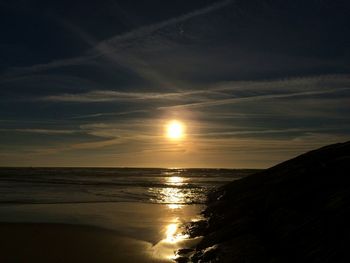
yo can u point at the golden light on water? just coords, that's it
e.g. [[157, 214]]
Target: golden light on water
[[175, 196], [176, 180], [170, 232], [173, 233], [174, 238], [174, 206], [175, 130], [177, 193]]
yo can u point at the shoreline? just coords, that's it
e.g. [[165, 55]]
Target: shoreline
[[109, 232]]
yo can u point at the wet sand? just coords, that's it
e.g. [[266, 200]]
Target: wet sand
[[33, 242], [94, 232]]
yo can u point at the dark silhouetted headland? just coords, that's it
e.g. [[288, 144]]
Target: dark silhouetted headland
[[297, 211]]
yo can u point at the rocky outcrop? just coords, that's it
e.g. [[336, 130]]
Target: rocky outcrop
[[297, 211]]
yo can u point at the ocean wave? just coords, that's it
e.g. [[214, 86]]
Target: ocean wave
[[82, 185]]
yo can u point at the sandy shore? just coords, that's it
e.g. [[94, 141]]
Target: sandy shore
[[95, 232], [33, 242]]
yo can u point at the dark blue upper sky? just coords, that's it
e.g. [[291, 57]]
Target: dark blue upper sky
[[94, 82]]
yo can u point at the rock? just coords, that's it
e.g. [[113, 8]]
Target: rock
[[296, 211], [184, 251], [181, 259], [210, 253], [195, 229]]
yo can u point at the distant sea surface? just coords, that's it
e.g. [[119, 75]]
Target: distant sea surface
[[91, 185]]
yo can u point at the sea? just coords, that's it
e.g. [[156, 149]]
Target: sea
[[173, 186], [150, 207]]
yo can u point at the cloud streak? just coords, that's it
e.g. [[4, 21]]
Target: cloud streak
[[146, 30], [41, 131], [110, 95], [219, 93], [252, 98], [110, 46]]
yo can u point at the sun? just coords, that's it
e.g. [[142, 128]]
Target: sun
[[175, 130]]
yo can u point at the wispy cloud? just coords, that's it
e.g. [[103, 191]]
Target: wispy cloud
[[253, 98], [19, 71], [109, 95], [104, 114], [219, 93], [141, 32], [258, 131], [110, 46], [41, 131]]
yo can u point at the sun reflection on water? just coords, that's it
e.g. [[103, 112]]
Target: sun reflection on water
[[170, 232], [174, 206], [173, 196], [173, 234], [175, 180], [174, 238], [176, 194]]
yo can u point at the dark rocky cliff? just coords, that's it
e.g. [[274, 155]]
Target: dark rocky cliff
[[297, 211]]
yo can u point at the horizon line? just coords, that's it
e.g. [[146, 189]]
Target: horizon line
[[128, 167]]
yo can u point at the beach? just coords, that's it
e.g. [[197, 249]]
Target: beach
[[34, 242], [101, 215], [94, 232]]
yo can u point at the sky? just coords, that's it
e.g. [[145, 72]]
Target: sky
[[93, 83]]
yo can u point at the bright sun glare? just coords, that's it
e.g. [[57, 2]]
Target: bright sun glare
[[175, 130]]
